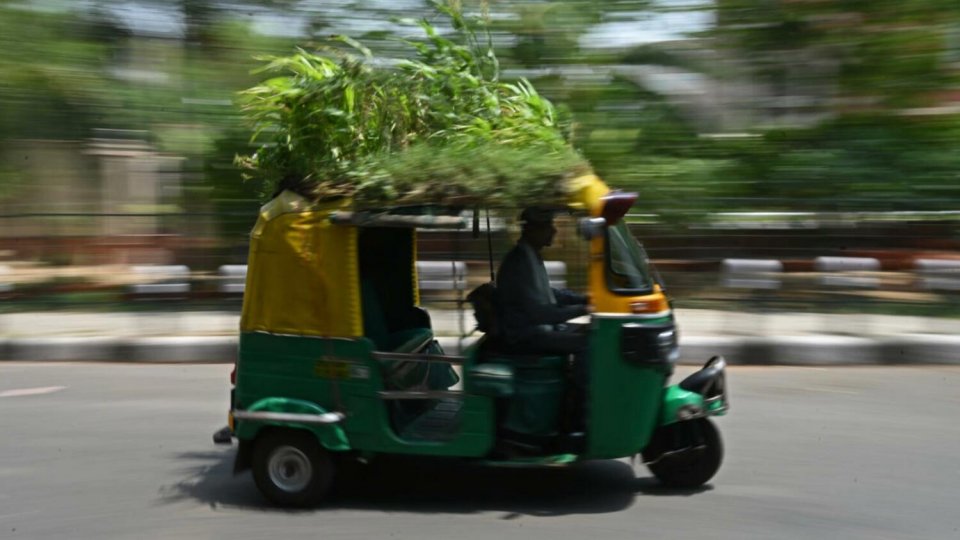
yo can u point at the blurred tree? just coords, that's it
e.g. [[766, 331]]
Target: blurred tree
[[51, 87], [858, 114], [876, 55], [50, 74], [634, 135], [849, 98]]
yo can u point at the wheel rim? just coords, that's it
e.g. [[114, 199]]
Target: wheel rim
[[289, 469]]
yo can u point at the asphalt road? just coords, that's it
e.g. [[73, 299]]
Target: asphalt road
[[104, 451]]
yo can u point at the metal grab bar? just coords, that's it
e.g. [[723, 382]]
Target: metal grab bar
[[416, 357], [416, 394], [325, 418]]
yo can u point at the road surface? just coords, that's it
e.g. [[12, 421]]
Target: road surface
[[116, 451]]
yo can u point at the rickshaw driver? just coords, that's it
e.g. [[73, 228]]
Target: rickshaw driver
[[531, 313]]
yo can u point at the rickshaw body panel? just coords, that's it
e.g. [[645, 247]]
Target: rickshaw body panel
[[342, 375], [625, 399]]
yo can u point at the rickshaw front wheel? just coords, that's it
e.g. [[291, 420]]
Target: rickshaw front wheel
[[290, 468], [686, 454]]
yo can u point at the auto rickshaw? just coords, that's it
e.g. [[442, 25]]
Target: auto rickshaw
[[337, 361]]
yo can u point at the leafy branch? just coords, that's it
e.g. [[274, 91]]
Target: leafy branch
[[437, 128]]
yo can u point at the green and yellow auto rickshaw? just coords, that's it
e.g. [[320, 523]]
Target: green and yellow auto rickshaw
[[338, 361]]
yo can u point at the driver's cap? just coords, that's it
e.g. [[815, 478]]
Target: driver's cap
[[536, 215]]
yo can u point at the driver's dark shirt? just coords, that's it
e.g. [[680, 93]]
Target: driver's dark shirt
[[527, 305]]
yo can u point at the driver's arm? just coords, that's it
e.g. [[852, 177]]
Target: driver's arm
[[516, 290], [546, 313], [566, 297]]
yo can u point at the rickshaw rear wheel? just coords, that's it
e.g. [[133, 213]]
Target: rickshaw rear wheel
[[696, 464], [290, 468]]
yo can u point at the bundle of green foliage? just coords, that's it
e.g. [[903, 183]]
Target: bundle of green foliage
[[437, 129]]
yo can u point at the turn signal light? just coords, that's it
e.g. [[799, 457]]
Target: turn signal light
[[655, 304]]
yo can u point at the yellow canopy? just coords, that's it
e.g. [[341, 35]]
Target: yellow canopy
[[302, 276]]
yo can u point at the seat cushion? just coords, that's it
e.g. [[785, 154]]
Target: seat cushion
[[528, 361], [494, 380]]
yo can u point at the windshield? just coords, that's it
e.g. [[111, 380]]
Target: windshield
[[628, 271]]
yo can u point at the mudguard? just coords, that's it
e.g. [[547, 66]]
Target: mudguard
[[703, 393], [300, 414]]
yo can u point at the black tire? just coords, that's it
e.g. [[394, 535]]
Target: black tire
[[689, 469], [291, 469]]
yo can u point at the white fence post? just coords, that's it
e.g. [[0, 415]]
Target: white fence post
[[938, 274], [161, 280], [233, 278], [442, 275], [848, 272], [751, 273]]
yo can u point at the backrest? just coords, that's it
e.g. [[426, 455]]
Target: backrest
[[374, 322], [484, 302]]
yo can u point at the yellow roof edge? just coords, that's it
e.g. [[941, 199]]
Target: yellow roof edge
[[289, 202], [586, 192]]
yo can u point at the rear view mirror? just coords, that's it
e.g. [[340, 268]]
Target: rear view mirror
[[590, 228]]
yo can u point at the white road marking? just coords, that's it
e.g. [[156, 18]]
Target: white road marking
[[830, 390], [18, 514], [31, 391]]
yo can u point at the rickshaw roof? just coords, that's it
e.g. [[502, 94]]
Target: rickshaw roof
[[303, 273], [580, 194]]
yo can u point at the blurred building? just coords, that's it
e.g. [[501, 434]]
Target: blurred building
[[96, 201]]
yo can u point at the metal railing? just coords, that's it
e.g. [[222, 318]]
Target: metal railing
[[53, 260]]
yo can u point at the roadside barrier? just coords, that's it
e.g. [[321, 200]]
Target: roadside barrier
[[232, 278], [751, 273], [848, 272], [442, 275], [557, 273], [160, 282], [938, 274], [5, 285]]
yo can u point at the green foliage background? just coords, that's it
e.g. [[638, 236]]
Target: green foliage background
[[69, 73], [437, 128]]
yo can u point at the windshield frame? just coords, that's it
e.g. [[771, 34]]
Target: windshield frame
[[634, 256]]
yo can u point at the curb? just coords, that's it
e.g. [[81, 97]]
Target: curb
[[820, 350], [825, 350], [921, 348], [190, 349], [166, 349], [812, 350], [62, 349]]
